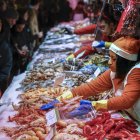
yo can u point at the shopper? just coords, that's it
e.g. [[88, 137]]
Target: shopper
[[9, 20], [5, 61], [123, 76], [33, 21], [22, 41], [3, 7]]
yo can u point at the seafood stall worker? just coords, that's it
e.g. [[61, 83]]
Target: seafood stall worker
[[106, 27], [89, 49], [123, 76]]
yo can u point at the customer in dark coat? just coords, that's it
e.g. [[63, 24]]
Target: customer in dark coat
[[22, 41], [5, 62], [9, 20]]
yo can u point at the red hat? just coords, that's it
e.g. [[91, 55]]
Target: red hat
[[126, 47]]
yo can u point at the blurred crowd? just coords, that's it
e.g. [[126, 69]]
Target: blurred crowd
[[23, 25]]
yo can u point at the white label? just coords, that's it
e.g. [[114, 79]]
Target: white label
[[58, 80], [51, 117], [97, 72]]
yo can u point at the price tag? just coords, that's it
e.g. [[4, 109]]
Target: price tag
[[59, 80], [97, 72], [52, 117]]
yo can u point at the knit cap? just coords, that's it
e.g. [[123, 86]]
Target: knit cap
[[126, 47]]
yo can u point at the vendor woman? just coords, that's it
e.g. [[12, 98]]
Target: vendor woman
[[123, 76]]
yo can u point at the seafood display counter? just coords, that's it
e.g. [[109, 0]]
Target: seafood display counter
[[48, 76]]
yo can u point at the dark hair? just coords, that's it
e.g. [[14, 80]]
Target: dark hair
[[123, 66], [20, 21], [34, 2], [22, 11], [11, 13]]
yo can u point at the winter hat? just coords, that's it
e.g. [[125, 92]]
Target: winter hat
[[11, 13], [126, 47]]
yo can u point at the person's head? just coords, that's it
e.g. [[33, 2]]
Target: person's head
[[35, 4], [124, 54], [107, 21], [11, 16], [24, 13], [3, 5], [106, 25], [20, 25]]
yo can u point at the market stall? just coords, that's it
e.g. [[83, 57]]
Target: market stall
[[49, 75]]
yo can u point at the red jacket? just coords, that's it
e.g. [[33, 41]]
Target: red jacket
[[88, 49]]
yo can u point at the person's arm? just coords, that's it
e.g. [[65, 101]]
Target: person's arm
[[86, 30], [102, 83], [130, 94]]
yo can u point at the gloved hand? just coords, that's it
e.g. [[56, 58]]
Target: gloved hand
[[49, 105], [84, 108], [98, 105], [81, 110], [70, 57], [100, 44], [65, 95]]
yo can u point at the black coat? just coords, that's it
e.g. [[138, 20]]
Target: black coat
[[22, 38], [5, 61]]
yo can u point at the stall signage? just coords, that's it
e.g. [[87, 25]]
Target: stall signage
[[52, 117]]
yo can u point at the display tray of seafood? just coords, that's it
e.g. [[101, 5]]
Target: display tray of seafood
[[48, 58], [103, 126], [30, 124], [64, 40], [69, 129], [73, 64], [73, 79], [39, 76], [99, 59], [40, 96], [54, 64]]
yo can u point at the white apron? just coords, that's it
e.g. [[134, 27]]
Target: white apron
[[135, 110]]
